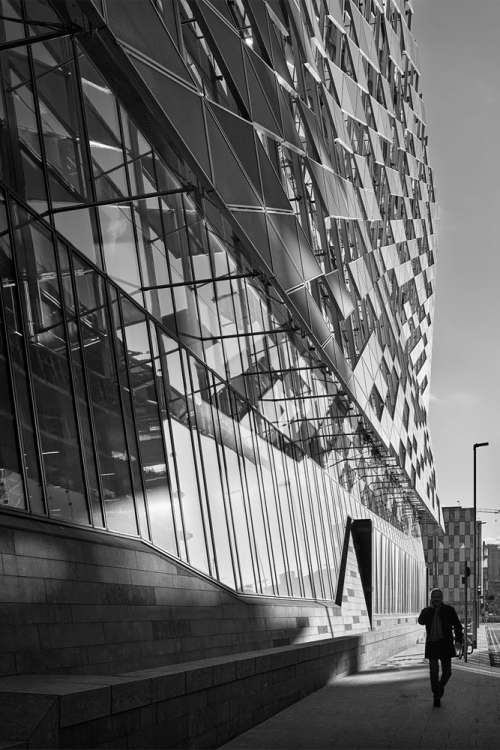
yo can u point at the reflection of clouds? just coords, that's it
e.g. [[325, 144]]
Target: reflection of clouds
[[116, 228]]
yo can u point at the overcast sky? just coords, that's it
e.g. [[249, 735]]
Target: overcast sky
[[460, 82]]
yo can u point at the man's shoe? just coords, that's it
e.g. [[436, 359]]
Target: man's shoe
[[437, 703]]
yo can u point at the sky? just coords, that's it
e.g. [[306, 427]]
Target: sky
[[460, 83]]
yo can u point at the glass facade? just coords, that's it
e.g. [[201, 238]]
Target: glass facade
[[217, 284]]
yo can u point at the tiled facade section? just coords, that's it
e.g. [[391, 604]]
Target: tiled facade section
[[353, 599], [446, 555]]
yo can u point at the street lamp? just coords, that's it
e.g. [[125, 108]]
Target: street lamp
[[474, 565]]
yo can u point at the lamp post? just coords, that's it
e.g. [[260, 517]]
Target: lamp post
[[474, 564]]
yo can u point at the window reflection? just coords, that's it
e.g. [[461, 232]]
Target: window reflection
[[54, 399], [82, 401], [106, 406], [29, 164], [103, 126], [119, 247], [11, 482], [190, 492], [60, 118]]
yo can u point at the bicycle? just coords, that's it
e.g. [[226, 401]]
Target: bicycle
[[470, 647]]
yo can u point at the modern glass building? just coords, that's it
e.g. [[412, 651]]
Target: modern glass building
[[217, 255]]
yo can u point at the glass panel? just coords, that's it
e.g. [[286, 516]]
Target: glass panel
[[175, 499], [294, 572], [120, 251], [20, 92], [152, 449], [80, 387], [209, 463], [104, 135], [330, 554], [52, 384], [60, 115], [238, 504], [12, 29], [106, 407], [187, 323], [214, 353], [261, 534], [192, 498], [304, 542], [270, 500], [80, 228], [151, 245], [140, 158], [131, 435], [16, 336], [11, 481], [313, 525]]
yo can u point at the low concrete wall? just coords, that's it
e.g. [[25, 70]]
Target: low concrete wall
[[197, 704]]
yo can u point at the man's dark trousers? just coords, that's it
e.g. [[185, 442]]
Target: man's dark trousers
[[437, 686]]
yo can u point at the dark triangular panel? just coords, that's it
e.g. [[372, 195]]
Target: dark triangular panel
[[254, 225], [258, 14], [186, 117], [229, 178], [300, 301], [241, 136], [260, 109], [221, 7], [310, 266], [280, 65], [319, 326], [268, 83], [289, 129], [228, 44], [286, 225], [318, 178], [274, 194], [285, 270], [136, 23]]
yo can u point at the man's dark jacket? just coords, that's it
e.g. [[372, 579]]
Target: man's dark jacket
[[445, 647]]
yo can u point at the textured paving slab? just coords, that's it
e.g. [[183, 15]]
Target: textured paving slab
[[390, 706]]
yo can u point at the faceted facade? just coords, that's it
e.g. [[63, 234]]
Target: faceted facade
[[217, 249]]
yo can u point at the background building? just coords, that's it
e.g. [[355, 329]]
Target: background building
[[447, 554], [217, 249], [491, 568]]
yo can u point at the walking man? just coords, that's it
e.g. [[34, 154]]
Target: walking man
[[441, 621]]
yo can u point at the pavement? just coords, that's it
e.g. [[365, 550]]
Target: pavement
[[390, 705]]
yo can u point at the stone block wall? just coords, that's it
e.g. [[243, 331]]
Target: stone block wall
[[197, 704]]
